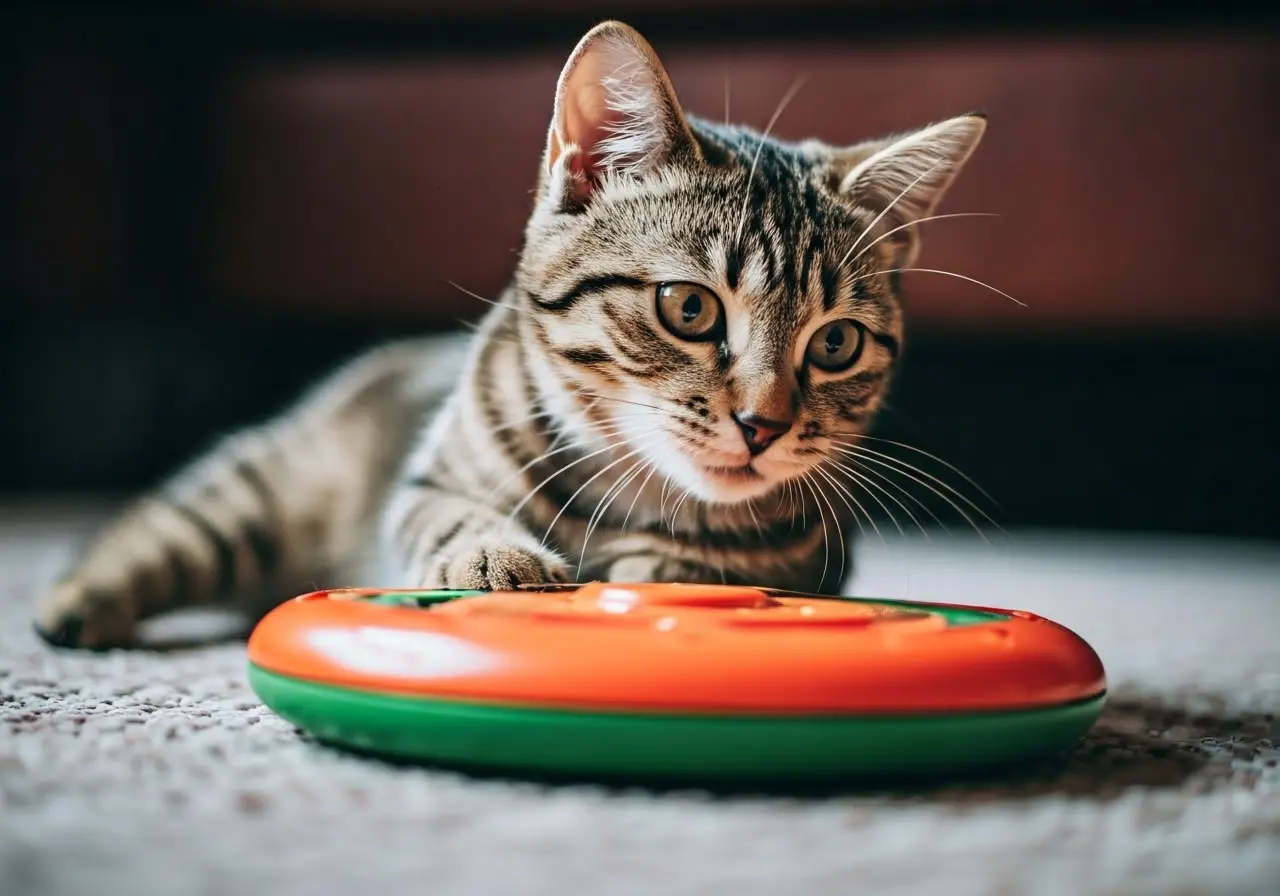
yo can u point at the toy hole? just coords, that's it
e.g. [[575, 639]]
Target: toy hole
[[625, 598]]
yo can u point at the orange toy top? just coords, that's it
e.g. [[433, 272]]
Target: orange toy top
[[682, 648]]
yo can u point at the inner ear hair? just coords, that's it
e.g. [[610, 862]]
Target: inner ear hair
[[903, 178], [616, 114]]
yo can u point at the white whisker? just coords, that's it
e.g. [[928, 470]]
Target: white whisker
[[836, 519], [755, 159], [868, 454], [826, 549], [933, 457], [602, 507], [870, 487], [945, 274], [889, 233], [871, 472], [481, 298], [888, 208], [653, 407], [960, 510], [675, 511], [537, 488], [662, 501], [849, 496], [569, 503], [609, 431]]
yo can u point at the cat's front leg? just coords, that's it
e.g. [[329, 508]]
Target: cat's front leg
[[441, 539]]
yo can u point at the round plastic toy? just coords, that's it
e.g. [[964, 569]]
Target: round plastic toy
[[681, 682]]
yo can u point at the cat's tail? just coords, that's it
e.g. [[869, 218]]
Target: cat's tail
[[271, 510]]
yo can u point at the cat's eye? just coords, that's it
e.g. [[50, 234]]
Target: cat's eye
[[835, 346], [690, 311]]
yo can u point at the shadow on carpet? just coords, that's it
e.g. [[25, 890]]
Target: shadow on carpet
[[1139, 742]]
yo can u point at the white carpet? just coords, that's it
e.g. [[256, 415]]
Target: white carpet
[[160, 773]]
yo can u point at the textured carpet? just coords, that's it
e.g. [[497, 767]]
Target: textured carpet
[[160, 772]]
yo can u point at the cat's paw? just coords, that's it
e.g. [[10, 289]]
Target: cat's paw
[[73, 614], [503, 568]]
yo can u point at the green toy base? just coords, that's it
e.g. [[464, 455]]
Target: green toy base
[[708, 749]]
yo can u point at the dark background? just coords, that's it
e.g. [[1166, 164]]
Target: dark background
[[204, 208]]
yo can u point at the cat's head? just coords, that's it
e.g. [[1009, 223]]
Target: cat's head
[[720, 303]]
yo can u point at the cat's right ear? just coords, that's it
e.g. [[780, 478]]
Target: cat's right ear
[[616, 115]]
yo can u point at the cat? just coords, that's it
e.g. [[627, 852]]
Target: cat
[[703, 319]]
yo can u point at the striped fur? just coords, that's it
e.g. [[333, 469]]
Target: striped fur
[[575, 435]]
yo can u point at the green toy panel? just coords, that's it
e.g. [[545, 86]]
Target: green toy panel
[[702, 747], [418, 599]]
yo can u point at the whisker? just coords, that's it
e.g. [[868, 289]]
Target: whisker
[[481, 298], [619, 484], [751, 509], [868, 453], [868, 486], [662, 498], [795, 498], [872, 472], [569, 503], [836, 518], [889, 233], [826, 549], [537, 488], [675, 511], [639, 404], [849, 496], [933, 457], [512, 424], [945, 274], [653, 468], [648, 470], [551, 452], [804, 512], [755, 159], [784, 494], [960, 510], [896, 199], [602, 508], [791, 504]]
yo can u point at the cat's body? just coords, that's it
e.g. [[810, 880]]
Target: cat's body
[[701, 320]]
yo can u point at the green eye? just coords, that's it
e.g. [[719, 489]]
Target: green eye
[[690, 311], [835, 346]]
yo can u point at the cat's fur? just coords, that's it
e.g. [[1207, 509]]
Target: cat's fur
[[486, 460]]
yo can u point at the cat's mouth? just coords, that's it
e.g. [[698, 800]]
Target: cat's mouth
[[736, 473]]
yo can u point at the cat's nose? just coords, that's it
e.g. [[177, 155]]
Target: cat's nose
[[760, 432]]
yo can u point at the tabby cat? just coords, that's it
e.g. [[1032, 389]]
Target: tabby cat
[[702, 320]]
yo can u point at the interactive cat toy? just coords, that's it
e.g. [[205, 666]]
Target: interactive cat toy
[[689, 682]]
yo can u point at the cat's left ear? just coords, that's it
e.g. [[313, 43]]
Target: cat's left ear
[[905, 177], [615, 113]]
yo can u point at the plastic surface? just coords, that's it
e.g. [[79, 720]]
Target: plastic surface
[[683, 748], [678, 650]]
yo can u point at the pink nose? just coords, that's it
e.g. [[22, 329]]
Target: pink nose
[[759, 432]]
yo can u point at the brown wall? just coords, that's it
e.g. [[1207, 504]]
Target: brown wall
[[1132, 169], [204, 206], [1132, 177]]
